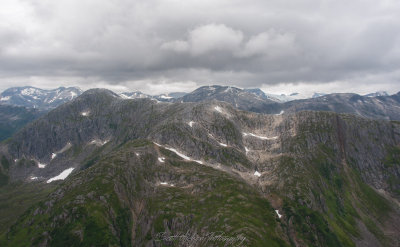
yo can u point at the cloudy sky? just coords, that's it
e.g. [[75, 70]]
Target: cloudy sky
[[159, 46]]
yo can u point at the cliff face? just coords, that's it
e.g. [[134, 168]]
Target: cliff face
[[13, 118], [142, 168]]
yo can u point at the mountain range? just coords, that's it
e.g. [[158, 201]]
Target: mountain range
[[204, 169], [38, 98], [377, 105]]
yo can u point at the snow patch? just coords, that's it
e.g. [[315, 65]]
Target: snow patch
[[62, 150], [29, 91], [165, 183], [191, 123], [228, 89], [218, 109], [85, 113], [99, 142], [137, 154], [261, 137], [124, 96], [246, 149], [41, 166], [257, 174], [279, 215], [182, 155], [161, 159], [34, 178], [73, 95], [165, 97], [5, 98], [63, 175], [52, 100], [220, 143], [178, 153], [280, 113]]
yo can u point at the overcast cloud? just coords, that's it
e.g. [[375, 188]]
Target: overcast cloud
[[155, 46]]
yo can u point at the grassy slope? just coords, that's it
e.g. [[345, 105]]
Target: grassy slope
[[99, 206], [324, 195], [17, 198]]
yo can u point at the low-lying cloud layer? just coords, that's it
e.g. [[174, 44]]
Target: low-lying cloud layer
[[175, 45]]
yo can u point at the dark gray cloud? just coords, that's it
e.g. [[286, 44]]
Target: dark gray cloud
[[156, 45]]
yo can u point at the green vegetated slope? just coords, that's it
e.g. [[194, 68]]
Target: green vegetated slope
[[324, 196], [120, 202], [13, 118]]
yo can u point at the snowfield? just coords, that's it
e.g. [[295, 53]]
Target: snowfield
[[5, 98], [165, 183], [63, 175], [261, 137], [41, 166], [178, 153], [218, 109], [99, 142]]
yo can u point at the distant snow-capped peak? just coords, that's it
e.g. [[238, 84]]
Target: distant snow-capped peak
[[39, 98]]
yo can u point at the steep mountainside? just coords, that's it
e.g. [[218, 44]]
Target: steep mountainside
[[145, 172], [377, 107], [12, 118], [32, 97]]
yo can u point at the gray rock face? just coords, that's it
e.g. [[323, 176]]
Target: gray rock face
[[373, 106], [213, 131], [380, 107], [32, 97], [12, 118]]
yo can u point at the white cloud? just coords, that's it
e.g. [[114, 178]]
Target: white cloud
[[153, 44], [176, 45], [214, 37], [271, 43], [207, 38]]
